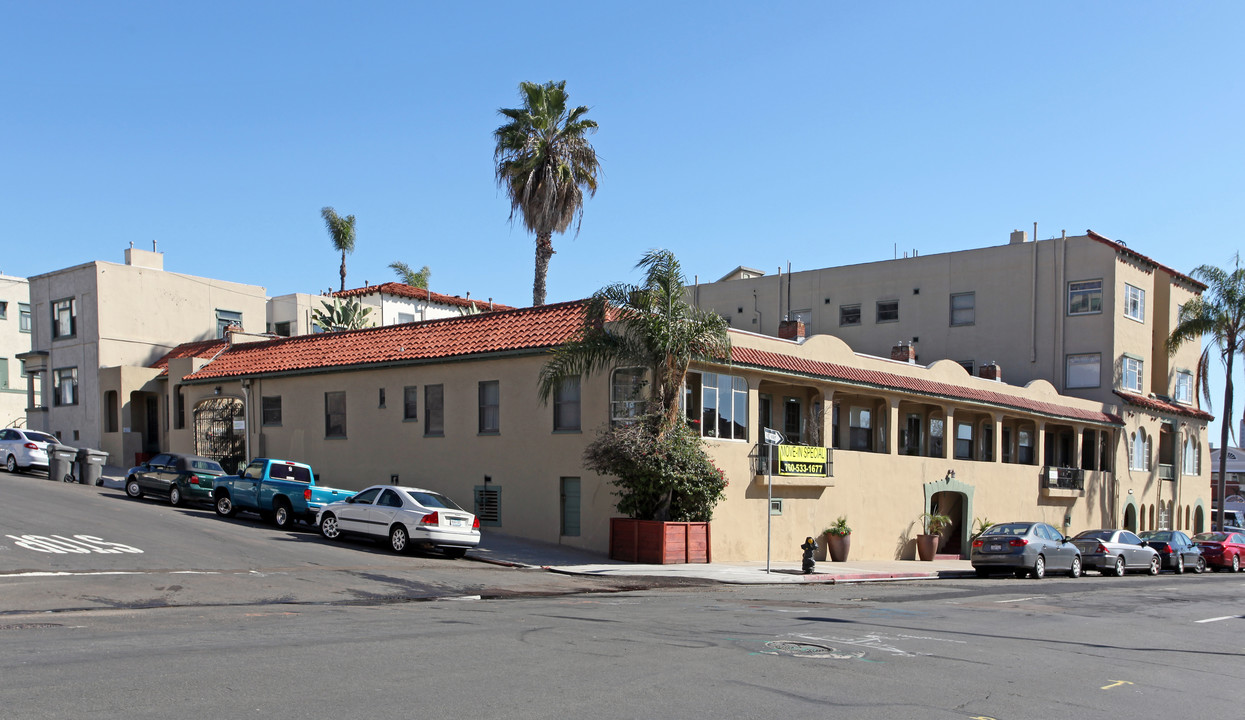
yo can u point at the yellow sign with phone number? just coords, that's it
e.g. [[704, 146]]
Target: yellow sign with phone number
[[801, 461]]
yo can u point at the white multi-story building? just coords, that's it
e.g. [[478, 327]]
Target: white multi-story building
[[14, 341]]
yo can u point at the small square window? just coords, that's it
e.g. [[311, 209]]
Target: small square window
[[1083, 371], [963, 308], [849, 315], [1084, 297]]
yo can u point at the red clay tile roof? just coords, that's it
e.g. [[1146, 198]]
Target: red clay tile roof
[[404, 290], [526, 329], [205, 349], [1163, 406], [1120, 248], [892, 381]]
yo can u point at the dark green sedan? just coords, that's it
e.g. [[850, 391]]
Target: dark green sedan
[[180, 478]]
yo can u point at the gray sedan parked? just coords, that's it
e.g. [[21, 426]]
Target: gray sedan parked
[[1112, 552], [1026, 548]]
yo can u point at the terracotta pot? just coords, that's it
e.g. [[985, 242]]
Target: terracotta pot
[[926, 546], [659, 543], [839, 546]]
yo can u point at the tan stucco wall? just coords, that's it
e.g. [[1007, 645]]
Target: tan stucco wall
[[14, 291]]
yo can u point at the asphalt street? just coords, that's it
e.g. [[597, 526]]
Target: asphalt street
[[233, 618]]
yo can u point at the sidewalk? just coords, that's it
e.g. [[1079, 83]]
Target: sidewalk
[[508, 550], [501, 549]]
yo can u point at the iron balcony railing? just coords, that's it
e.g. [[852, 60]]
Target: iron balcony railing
[[1063, 478]]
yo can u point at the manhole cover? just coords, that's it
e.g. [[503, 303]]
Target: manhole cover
[[810, 650]]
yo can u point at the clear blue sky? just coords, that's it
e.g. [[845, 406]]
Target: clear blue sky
[[733, 133]]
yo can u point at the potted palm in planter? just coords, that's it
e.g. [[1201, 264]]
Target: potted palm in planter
[[839, 539], [665, 482], [934, 525]]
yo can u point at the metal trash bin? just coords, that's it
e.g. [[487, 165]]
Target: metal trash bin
[[91, 466], [60, 462]]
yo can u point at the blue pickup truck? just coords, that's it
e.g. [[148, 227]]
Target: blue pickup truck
[[280, 490]]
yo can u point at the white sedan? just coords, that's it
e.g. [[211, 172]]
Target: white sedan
[[24, 449], [407, 516]]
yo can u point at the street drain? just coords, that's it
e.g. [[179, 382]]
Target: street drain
[[810, 650], [30, 626]]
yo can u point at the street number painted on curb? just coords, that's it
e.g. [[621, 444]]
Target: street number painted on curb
[[79, 544]]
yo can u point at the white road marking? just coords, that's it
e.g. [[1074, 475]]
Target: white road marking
[[1225, 617], [78, 544], [1035, 597]]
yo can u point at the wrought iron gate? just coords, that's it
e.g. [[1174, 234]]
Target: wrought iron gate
[[220, 432]]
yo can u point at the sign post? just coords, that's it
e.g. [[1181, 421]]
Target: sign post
[[772, 438]]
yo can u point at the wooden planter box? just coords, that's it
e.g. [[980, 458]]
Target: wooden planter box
[[659, 543]]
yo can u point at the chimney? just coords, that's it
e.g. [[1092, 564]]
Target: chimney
[[791, 330], [230, 331], [904, 351], [991, 371], [1019, 236]]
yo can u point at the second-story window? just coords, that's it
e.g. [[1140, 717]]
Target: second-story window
[[1132, 371], [1184, 387], [720, 403], [1084, 297], [849, 314], [566, 405], [434, 410], [963, 308], [888, 311], [65, 389], [860, 434], [335, 414], [490, 406], [23, 317], [225, 318], [1083, 370], [627, 394], [1134, 303], [64, 318]]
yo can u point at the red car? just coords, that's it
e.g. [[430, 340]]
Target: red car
[[1222, 550]]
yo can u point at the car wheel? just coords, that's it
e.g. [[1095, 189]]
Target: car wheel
[[1039, 568], [1200, 567], [11, 464], [1154, 565], [1075, 572], [328, 526], [281, 515], [224, 506], [1119, 566], [133, 489], [1236, 563], [454, 553], [175, 496], [399, 541], [1179, 564]]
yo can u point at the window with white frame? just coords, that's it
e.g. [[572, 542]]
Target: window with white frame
[[963, 308], [1085, 297], [1084, 370], [720, 402], [963, 441], [1134, 303], [1139, 450], [1131, 373], [1184, 387], [1190, 458], [627, 394], [65, 386]]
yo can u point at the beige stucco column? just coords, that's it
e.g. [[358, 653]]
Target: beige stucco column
[[892, 425], [827, 417], [1039, 443], [1078, 440], [996, 452], [948, 432]]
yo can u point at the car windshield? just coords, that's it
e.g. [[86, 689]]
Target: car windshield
[[40, 437], [1015, 529], [200, 465], [1213, 537], [1095, 535], [432, 500], [1154, 535]]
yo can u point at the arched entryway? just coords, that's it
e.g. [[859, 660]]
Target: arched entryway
[[954, 499], [1130, 517], [220, 431]]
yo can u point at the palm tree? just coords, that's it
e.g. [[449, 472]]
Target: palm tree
[[411, 277], [1220, 314], [341, 230], [545, 162], [650, 325]]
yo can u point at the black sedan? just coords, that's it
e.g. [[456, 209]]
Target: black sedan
[[1025, 548], [1176, 551]]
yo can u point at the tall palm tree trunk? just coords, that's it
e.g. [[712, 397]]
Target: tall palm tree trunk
[[342, 272], [1224, 427], [544, 251]]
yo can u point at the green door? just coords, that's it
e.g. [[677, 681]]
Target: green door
[[570, 506]]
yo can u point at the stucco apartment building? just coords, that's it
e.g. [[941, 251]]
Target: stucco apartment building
[[14, 341], [452, 404], [1084, 313], [391, 303], [96, 329]]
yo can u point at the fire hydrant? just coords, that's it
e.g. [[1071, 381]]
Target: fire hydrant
[[808, 547]]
